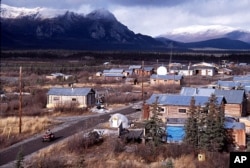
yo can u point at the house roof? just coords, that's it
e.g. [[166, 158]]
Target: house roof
[[181, 100], [116, 70], [241, 78], [70, 91], [230, 84], [135, 67], [166, 77], [231, 96], [234, 125], [189, 91], [113, 75], [204, 64], [148, 68]]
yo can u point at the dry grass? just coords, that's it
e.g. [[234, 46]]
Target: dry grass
[[9, 128], [30, 125], [104, 155]]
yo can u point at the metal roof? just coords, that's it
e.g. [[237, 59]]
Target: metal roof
[[231, 96], [166, 77], [70, 91], [181, 100], [116, 70], [148, 68], [189, 91], [113, 75], [241, 78], [230, 84], [135, 67], [234, 125]]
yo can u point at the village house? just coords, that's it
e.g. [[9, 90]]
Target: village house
[[114, 74], [176, 106], [65, 97], [186, 71], [136, 69], [236, 102], [148, 71], [58, 76], [205, 69], [227, 85], [166, 79]]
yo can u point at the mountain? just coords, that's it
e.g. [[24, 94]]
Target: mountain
[[41, 28], [220, 43], [202, 33]]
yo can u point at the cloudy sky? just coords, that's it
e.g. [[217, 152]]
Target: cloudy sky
[[156, 17]]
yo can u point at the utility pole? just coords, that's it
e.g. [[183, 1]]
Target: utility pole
[[142, 87], [20, 101]]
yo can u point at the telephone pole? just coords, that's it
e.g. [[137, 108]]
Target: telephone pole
[[142, 87], [20, 101]]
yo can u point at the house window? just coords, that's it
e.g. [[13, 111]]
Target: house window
[[56, 98], [73, 99], [161, 110], [182, 110]]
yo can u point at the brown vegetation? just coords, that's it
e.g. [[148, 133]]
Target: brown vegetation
[[114, 153], [9, 128]]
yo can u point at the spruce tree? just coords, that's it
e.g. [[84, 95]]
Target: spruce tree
[[191, 126], [214, 134], [153, 128]]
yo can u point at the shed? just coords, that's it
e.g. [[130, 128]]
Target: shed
[[238, 131]]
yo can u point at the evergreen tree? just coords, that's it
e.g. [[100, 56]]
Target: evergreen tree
[[205, 126], [153, 128], [191, 126], [214, 134]]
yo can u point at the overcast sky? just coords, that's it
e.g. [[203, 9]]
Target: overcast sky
[[156, 17]]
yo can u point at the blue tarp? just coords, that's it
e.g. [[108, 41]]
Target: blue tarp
[[175, 133]]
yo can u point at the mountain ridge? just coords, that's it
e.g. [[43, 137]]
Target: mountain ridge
[[97, 30]]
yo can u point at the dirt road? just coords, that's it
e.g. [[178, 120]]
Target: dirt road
[[34, 144]]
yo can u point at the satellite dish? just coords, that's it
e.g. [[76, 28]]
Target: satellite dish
[[161, 70]]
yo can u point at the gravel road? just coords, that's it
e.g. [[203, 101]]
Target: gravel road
[[34, 144]]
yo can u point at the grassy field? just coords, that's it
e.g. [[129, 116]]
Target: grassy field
[[9, 128]]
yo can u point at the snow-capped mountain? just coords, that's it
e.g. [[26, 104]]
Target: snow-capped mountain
[[15, 12], [29, 28], [43, 28], [201, 33]]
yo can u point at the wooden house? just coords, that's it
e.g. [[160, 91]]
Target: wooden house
[[236, 102], [114, 76], [166, 79], [176, 106], [137, 69], [64, 97], [148, 71]]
